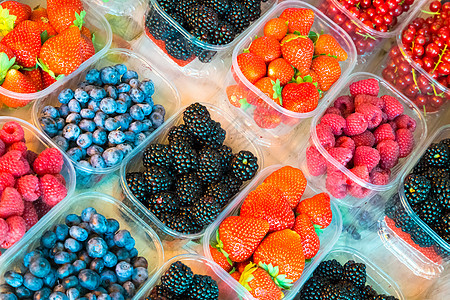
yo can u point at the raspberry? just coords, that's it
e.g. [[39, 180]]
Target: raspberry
[[336, 184], [316, 163], [12, 132], [384, 132], [366, 87], [393, 107], [60, 178], [364, 139], [393, 125], [335, 122], [380, 176], [333, 110], [346, 142], [266, 117], [4, 229], [31, 157], [13, 162], [372, 114], [389, 153], [405, 121], [384, 118], [405, 140], [345, 105], [366, 156], [360, 99], [342, 155], [356, 124], [11, 204], [30, 215], [325, 136], [20, 146], [6, 180], [50, 161], [41, 208], [17, 229], [2, 148], [28, 187], [354, 188], [52, 190]]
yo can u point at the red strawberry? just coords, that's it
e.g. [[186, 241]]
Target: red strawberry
[[271, 88], [298, 51], [266, 117], [237, 95], [29, 215], [17, 229], [236, 275], [11, 204], [300, 97], [327, 45], [58, 3], [4, 229], [280, 69], [366, 87], [87, 48], [317, 208], [276, 28], [266, 47], [40, 16], [5, 49], [53, 191], [299, 19], [252, 66], [240, 266], [47, 79], [21, 11], [259, 283], [35, 77], [240, 236], [220, 259], [327, 69], [62, 17], [310, 240], [19, 83]]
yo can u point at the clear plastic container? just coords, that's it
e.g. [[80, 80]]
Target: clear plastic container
[[236, 139], [147, 241], [165, 94], [289, 119], [103, 37], [424, 260], [207, 57], [409, 109], [328, 237], [228, 290]]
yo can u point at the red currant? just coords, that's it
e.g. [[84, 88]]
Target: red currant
[[418, 50], [444, 68], [435, 6], [432, 50]]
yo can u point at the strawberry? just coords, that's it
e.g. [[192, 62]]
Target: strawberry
[[62, 53], [240, 266], [327, 69], [298, 51], [266, 47], [86, 32], [317, 208], [21, 11], [281, 254], [267, 202], [40, 16], [224, 262], [87, 48], [299, 19], [19, 83], [290, 181], [300, 97], [259, 283], [276, 28], [310, 240], [5, 49], [35, 77], [280, 69], [239, 236], [271, 88], [47, 79], [252, 66], [328, 45], [62, 17], [237, 95], [58, 3], [266, 117], [236, 274]]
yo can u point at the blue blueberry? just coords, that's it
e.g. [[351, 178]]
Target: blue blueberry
[[140, 275], [140, 262], [100, 119], [60, 123], [123, 254], [94, 105], [62, 257], [130, 136], [48, 125], [157, 119], [87, 113], [72, 220], [23, 293], [78, 265], [133, 253], [84, 140], [97, 265], [123, 88], [116, 137], [8, 296], [121, 238], [62, 232], [64, 271], [13, 279], [32, 282], [115, 287], [48, 239], [30, 256], [96, 247], [159, 109], [72, 245], [121, 107], [110, 259], [146, 108], [137, 96], [140, 137], [50, 111], [63, 110], [125, 98], [69, 282], [125, 148], [111, 124], [146, 124], [71, 132], [109, 75], [130, 289], [99, 137], [89, 279], [78, 233], [104, 297], [124, 270], [51, 278], [129, 75], [89, 88], [113, 226], [109, 239], [100, 290], [93, 150], [97, 161], [87, 214], [74, 106], [65, 96], [136, 127], [90, 296], [116, 296], [120, 68], [93, 76], [108, 105], [111, 91], [98, 223], [59, 246], [58, 296], [136, 113], [40, 267], [148, 87], [124, 121], [73, 118], [75, 154], [87, 125], [73, 293], [81, 96], [84, 256], [149, 100], [112, 156], [134, 83], [97, 94], [42, 294]]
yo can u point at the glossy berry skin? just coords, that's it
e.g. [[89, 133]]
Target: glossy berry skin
[[96, 247], [124, 270], [88, 279], [40, 267]]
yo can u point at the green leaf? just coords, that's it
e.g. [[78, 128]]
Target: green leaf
[[60, 76], [314, 36], [44, 68], [6, 21], [44, 37], [79, 19], [5, 65], [277, 90], [307, 78]]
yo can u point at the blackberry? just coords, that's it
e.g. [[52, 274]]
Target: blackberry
[[429, 211], [330, 269], [220, 192], [367, 292], [183, 6], [206, 56], [421, 238], [238, 17], [137, 185], [205, 210], [332, 292], [179, 18], [188, 188], [445, 142], [157, 179], [186, 212], [223, 34], [437, 155], [160, 293], [417, 188], [234, 184], [226, 154], [158, 155], [181, 223], [312, 289], [403, 220], [441, 192], [156, 26], [178, 47], [184, 157], [198, 120], [203, 287], [202, 17], [180, 133], [177, 278], [219, 6], [348, 291], [244, 165], [162, 203], [354, 273], [216, 137], [421, 167], [167, 5], [208, 165], [433, 174], [254, 9], [384, 297], [392, 205]]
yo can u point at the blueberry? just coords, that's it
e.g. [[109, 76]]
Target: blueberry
[[87, 125], [146, 124], [72, 219], [120, 68], [75, 154], [116, 296], [137, 96], [112, 156], [87, 214], [49, 126], [73, 293], [112, 91], [78, 265], [125, 98], [89, 88], [140, 275], [124, 121], [94, 149], [112, 226], [81, 96], [121, 238], [65, 96], [98, 223], [22, 292], [130, 289], [109, 75], [84, 140], [32, 282], [71, 132], [99, 137], [121, 107], [60, 123], [63, 110], [108, 105], [58, 296], [104, 297], [92, 76], [133, 253], [50, 111], [125, 148], [90, 296], [59, 288], [134, 83], [70, 282], [116, 137], [84, 256], [99, 119], [123, 254], [148, 87], [136, 127], [136, 113], [61, 231], [97, 161], [139, 262], [110, 260], [62, 257], [97, 94], [8, 296], [159, 109], [64, 271], [149, 100], [51, 278], [96, 247], [87, 113], [59, 246], [78, 233], [13, 279], [124, 270], [74, 106], [72, 245], [97, 265], [89, 279], [30, 256], [116, 288], [129, 75], [157, 119], [42, 294], [146, 108], [140, 137], [123, 88], [109, 239], [40, 267], [111, 124], [48, 239]]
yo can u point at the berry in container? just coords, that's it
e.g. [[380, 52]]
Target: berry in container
[[271, 87], [362, 141], [189, 171], [415, 226], [275, 239], [196, 35], [100, 120], [45, 69]]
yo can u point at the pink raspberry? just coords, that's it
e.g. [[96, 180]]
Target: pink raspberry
[[2, 148], [50, 161], [12, 132], [41, 208], [316, 163], [346, 142], [60, 178], [6, 180], [11, 204], [325, 136], [356, 124], [345, 105], [393, 125], [364, 139], [13, 162], [380, 176], [384, 132], [20, 146], [31, 157], [30, 215], [405, 121], [336, 184], [342, 155], [384, 118], [393, 107], [17, 229], [4, 229], [405, 140], [28, 187], [333, 110], [354, 188], [335, 122], [360, 99], [372, 114], [366, 156], [53, 191], [365, 87], [389, 153]]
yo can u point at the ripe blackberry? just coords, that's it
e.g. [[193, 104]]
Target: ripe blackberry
[[330, 269], [441, 192], [421, 238], [137, 185], [219, 6], [385, 297], [367, 292], [244, 165], [226, 154], [179, 18], [220, 192], [354, 273], [162, 203], [238, 17], [181, 223], [180, 133], [160, 293], [188, 188], [183, 6], [206, 56], [223, 34], [254, 9], [202, 17], [312, 289], [178, 278], [216, 137], [332, 292], [437, 155], [205, 210], [203, 287], [417, 188], [178, 47], [184, 158], [167, 5], [158, 155], [198, 120], [156, 26], [429, 211], [348, 291], [421, 167], [445, 142], [435, 173], [403, 220], [186, 212], [208, 165], [392, 205], [157, 179]]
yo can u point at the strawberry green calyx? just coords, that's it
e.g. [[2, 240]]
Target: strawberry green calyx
[[44, 68], [318, 229], [219, 247], [247, 276], [279, 279], [297, 36], [79, 19], [6, 21], [277, 90], [5, 65], [244, 104], [314, 36]]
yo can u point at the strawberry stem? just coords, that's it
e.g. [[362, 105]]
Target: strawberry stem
[[79, 19], [6, 21]]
